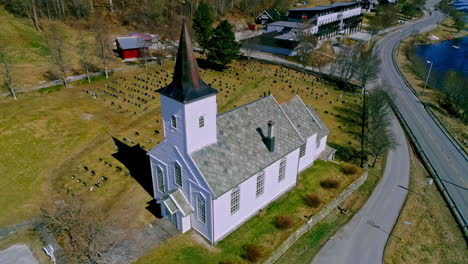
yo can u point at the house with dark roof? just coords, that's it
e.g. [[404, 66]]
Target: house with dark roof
[[214, 171], [131, 47], [268, 16]]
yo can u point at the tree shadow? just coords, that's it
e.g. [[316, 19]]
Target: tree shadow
[[351, 116], [208, 65], [137, 163]]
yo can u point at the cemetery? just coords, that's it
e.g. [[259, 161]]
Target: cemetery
[[90, 140]]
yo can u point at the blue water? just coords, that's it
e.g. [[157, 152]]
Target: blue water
[[445, 57], [461, 5]]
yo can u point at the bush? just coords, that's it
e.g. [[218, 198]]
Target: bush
[[253, 253], [349, 168], [312, 200], [284, 222], [330, 183]]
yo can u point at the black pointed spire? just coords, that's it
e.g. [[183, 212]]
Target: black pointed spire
[[186, 85]]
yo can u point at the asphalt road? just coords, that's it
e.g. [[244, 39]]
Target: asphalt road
[[363, 239], [447, 160]]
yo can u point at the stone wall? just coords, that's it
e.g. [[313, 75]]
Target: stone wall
[[315, 219]]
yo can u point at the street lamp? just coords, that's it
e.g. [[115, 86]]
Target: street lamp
[[428, 73]]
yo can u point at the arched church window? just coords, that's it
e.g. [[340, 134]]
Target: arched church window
[[159, 173], [201, 206]]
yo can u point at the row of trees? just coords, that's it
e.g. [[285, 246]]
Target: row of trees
[[220, 41]]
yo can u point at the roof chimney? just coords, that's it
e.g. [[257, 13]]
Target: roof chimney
[[269, 140]]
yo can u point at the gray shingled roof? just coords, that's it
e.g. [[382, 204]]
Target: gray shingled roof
[[240, 152], [302, 119], [324, 129], [175, 201], [181, 201], [131, 42]]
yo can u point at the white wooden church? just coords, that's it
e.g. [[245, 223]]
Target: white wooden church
[[214, 171]]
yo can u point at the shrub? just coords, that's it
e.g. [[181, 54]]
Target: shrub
[[312, 200], [349, 168], [284, 222], [253, 253], [330, 183]]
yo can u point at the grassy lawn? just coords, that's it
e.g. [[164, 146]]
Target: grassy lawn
[[433, 235], [260, 229], [432, 96]]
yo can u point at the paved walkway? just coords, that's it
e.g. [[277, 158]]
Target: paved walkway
[[17, 254]]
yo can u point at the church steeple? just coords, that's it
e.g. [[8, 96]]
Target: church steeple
[[187, 85]]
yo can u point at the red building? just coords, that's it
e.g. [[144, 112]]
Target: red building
[[131, 47]]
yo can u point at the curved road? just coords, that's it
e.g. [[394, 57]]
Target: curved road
[[363, 239]]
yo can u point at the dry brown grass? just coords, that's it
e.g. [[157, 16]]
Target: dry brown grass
[[312, 200], [349, 168], [330, 183], [433, 235], [284, 221], [253, 253]]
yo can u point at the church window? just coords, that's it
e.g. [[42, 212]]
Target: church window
[[260, 183], [174, 121], [159, 173], [235, 199], [201, 121], [282, 170], [201, 206], [302, 150], [178, 174]]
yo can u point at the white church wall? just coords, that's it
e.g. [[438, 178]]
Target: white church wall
[[250, 204], [203, 228], [322, 145], [173, 136], [310, 155], [192, 182], [185, 220], [197, 137]]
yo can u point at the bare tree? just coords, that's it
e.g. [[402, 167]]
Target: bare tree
[[7, 79], [344, 66], [307, 43], [85, 57], [102, 39], [86, 236], [57, 49], [379, 138], [367, 66]]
